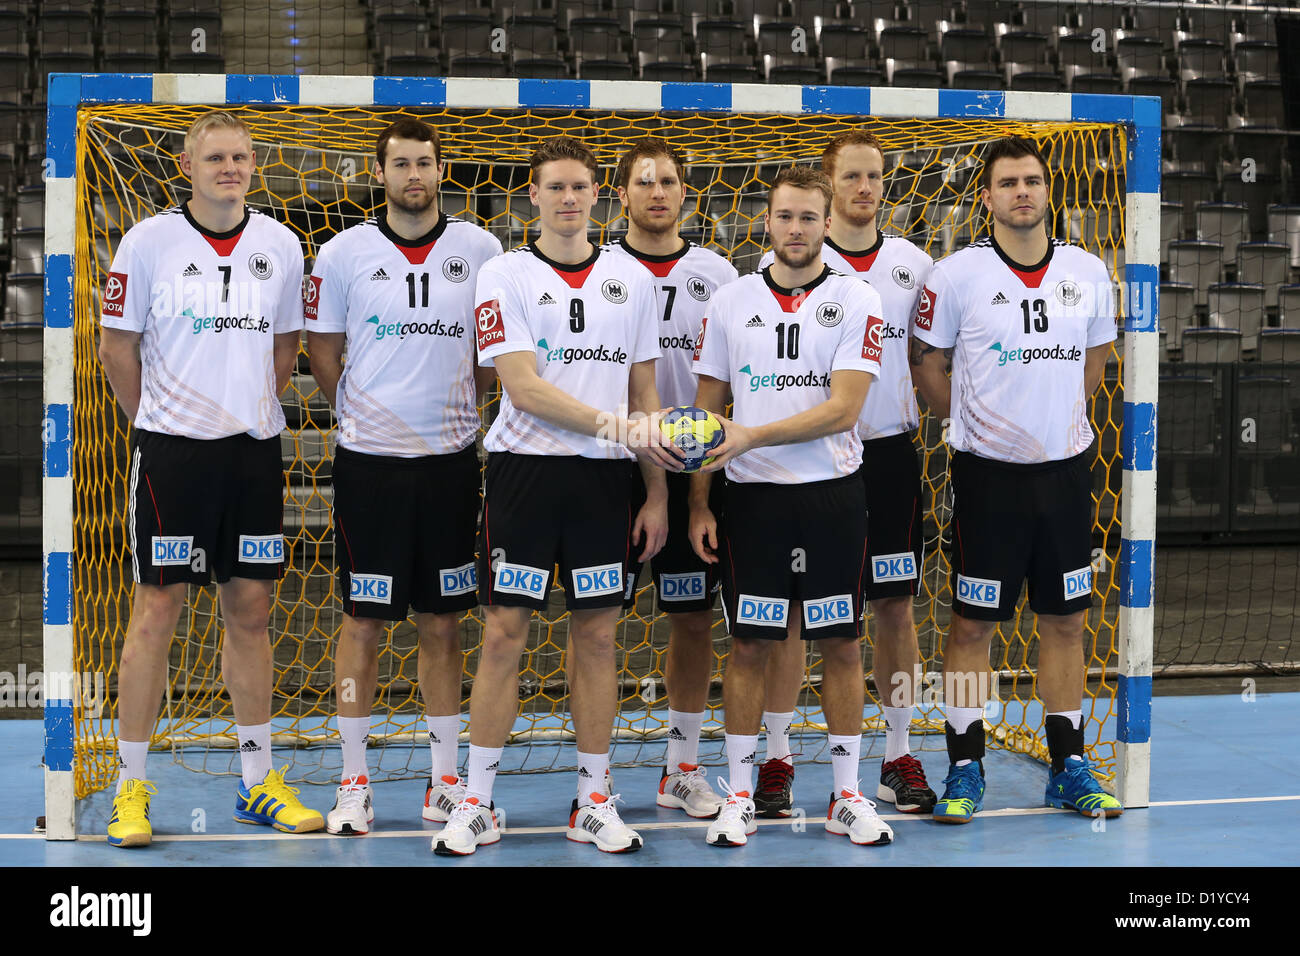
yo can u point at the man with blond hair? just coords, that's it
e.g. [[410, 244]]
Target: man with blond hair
[[201, 321]]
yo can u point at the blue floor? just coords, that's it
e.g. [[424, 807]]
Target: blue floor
[[1219, 749]]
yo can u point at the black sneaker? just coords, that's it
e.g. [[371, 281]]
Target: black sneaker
[[775, 797], [902, 783]]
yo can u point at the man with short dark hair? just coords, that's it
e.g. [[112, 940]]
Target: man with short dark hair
[[1027, 322], [396, 292]]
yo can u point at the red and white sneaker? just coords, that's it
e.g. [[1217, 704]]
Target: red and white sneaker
[[441, 797], [470, 826], [354, 809], [599, 823], [686, 789], [852, 815], [735, 822]]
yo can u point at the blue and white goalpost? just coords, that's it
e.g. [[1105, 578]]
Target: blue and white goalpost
[[68, 93]]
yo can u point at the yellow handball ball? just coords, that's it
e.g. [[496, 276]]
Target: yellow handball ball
[[695, 432]]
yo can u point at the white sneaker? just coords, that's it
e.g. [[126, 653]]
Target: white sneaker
[[354, 808], [853, 815], [440, 798], [686, 789], [599, 823], [735, 823], [470, 826]]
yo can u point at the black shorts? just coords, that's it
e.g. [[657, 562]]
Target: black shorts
[[200, 508], [1012, 522], [542, 510], [404, 533], [892, 477], [790, 549], [682, 581]]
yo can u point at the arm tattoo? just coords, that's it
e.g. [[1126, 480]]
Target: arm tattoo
[[920, 350]]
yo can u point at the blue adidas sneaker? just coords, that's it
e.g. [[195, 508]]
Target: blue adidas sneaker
[[1076, 788], [963, 794]]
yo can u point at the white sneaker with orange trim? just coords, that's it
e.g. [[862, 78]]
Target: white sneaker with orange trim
[[686, 789], [599, 823], [852, 815], [441, 797], [470, 826], [354, 808], [735, 823]]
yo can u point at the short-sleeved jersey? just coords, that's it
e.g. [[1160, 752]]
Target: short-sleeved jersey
[[1020, 339], [208, 307], [586, 323], [407, 306], [684, 282], [777, 347], [897, 270]]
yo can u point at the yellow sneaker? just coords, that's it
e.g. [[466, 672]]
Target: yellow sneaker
[[273, 803], [129, 824]]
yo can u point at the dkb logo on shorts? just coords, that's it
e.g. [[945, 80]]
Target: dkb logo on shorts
[[829, 610], [261, 549], [461, 580], [762, 611], [599, 579], [681, 587], [520, 579], [980, 592], [893, 567], [171, 550], [1077, 583], [375, 588]]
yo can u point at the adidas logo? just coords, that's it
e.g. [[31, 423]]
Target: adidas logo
[[755, 323], [192, 270], [839, 750], [582, 772], [249, 747], [546, 299], [494, 765], [433, 738], [1000, 299], [675, 734], [477, 825], [847, 817], [379, 274], [592, 825], [748, 760]]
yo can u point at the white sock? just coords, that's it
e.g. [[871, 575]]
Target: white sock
[[898, 721], [481, 772], [592, 770], [254, 760], [845, 752], [133, 754], [778, 735], [683, 739], [960, 718], [444, 742], [741, 751], [355, 734]]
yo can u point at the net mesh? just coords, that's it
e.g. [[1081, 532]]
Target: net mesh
[[314, 176]]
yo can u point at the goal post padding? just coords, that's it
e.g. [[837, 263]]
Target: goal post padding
[[114, 142]]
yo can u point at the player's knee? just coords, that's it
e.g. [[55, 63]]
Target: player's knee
[[365, 629], [749, 652], [438, 630], [893, 614], [840, 652], [966, 631], [695, 626], [155, 609], [1061, 629]]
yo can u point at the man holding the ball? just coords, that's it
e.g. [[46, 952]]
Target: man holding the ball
[[650, 179], [797, 346]]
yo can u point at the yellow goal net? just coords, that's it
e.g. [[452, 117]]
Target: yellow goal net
[[313, 174]]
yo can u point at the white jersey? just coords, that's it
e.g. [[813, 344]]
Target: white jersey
[[897, 270], [684, 282], [777, 347], [1019, 338], [208, 307], [407, 307], [586, 323]]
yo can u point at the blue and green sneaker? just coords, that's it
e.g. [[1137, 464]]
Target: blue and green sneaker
[[1075, 788], [963, 794]]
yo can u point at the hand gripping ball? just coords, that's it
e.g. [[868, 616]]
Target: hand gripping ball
[[695, 432]]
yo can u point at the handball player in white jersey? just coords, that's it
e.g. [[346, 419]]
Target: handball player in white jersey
[[396, 292], [651, 186], [896, 269], [570, 330], [202, 318], [1027, 322], [797, 346]]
